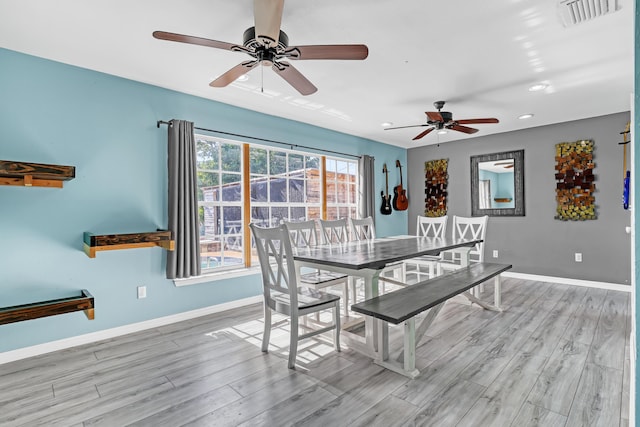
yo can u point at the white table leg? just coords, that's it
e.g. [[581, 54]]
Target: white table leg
[[497, 291], [410, 345]]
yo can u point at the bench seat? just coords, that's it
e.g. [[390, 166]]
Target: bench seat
[[398, 306], [403, 305]]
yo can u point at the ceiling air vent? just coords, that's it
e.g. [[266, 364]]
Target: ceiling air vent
[[573, 12]]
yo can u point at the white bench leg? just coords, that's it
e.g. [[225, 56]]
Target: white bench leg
[[497, 291], [410, 345]]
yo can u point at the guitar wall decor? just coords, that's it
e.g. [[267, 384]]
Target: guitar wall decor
[[385, 209], [400, 200]]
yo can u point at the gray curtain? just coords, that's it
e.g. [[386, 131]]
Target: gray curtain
[[367, 185], [184, 261]]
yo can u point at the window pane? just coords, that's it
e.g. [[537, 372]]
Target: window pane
[[312, 162], [207, 154], [209, 221], [342, 167], [331, 192], [277, 162], [231, 156], [296, 162], [260, 216], [313, 190], [296, 190], [298, 214], [232, 220], [258, 160], [313, 212], [352, 194], [279, 213], [259, 189], [278, 189], [232, 188], [332, 213], [208, 186], [343, 195]]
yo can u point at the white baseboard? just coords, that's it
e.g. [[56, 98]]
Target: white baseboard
[[36, 350], [568, 281]]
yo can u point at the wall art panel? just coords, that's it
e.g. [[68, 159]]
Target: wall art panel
[[436, 180], [575, 181]]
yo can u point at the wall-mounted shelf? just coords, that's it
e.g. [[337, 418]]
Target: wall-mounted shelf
[[18, 313], [502, 199], [34, 174], [110, 242]]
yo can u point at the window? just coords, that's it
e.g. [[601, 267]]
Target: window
[[282, 184]]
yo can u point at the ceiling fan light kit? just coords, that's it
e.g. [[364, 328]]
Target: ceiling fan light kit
[[268, 45]]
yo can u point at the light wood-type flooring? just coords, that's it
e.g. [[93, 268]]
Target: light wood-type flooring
[[558, 356]]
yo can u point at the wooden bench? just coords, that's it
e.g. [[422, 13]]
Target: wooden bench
[[403, 305]]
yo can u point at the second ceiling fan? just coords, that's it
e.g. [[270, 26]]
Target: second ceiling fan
[[444, 120], [268, 45]]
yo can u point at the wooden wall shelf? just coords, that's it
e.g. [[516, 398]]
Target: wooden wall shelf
[[502, 199], [34, 174], [18, 313], [109, 242]]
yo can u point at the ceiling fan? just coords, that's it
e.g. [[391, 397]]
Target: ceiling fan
[[444, 120], [268, 45]]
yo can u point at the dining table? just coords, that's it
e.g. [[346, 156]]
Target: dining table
[[367, 259]]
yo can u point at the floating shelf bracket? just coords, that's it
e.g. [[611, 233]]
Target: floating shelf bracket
[[34, 174], [110, 242], [19, 313]]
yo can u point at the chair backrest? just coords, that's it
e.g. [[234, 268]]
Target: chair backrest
[[431, 226], [334, 231], [303, 234], [471, 228], [278, 276], [363, 229]]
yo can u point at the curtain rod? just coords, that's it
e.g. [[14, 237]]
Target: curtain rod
[[162, 122]]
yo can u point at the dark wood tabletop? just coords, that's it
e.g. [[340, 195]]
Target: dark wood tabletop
[[375, 254]]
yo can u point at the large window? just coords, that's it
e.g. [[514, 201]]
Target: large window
[[282, 184]]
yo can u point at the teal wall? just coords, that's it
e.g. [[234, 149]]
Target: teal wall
[[105, 126]]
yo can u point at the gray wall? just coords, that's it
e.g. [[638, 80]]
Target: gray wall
[[537, 243]]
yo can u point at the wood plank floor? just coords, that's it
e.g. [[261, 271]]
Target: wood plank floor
[[558, 356]]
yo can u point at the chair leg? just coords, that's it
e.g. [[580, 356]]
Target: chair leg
[[345, 294], [293, 342], [336, 319], [267, 329]]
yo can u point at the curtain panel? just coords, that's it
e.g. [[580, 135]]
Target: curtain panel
[[367, 182], [184, 261]]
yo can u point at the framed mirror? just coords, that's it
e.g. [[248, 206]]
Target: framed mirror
[[497, 184]]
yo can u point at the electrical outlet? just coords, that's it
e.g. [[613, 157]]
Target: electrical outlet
[[142, 292], [495, 253], [578, 257]]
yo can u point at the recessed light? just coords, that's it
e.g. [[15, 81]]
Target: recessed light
[[538, 87], [386, 124], [525, 116], [442, 132], [242, 78]]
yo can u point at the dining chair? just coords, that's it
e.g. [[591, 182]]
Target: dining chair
[[466, 228], [303, 235], [334, 231], [282, 294], [362, 229], [427, 226]]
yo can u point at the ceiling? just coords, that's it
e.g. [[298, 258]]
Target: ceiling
[[479, 56]]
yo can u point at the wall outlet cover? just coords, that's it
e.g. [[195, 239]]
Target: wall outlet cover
[[495, 253], [142, 292], [578, 257]]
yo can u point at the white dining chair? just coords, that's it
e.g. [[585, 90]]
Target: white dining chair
[[281, 291], [334, 231], [362, 229], [466, 228], [428, 227], [303, 235]]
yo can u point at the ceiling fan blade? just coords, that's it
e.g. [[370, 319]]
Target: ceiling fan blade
[[423, 134], [163, 35], [328, 51], [294, 77], [477, 121], [267, 16], [405, 127], [231, 75], [463, 129], [434, 116]]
